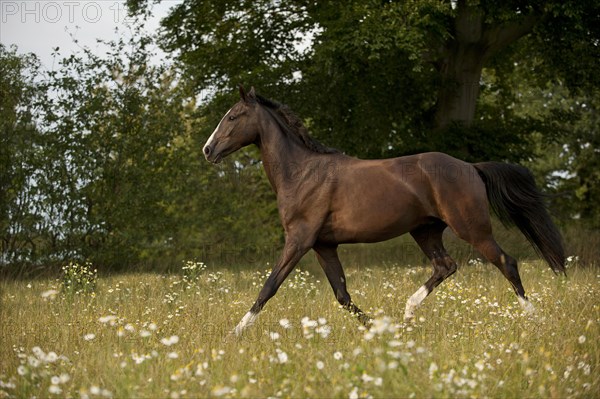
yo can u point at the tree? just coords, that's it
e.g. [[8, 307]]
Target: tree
[[111, 169], [116, 130], [19, 223], [423, 60]]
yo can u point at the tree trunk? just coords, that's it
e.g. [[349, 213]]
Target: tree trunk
[[463, 58], [460, 87]]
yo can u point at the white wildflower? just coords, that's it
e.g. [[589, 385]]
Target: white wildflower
[[55, 389], [38, 352], [433, 367], [173, 339], [285, 323], [50, 294], [220, 391], [282, 356], [308, 323], [111, 319], [138, 359], [323, 330], [480, 365], [51, 357], [366, 377]]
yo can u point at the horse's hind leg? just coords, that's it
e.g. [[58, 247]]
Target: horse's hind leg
[[429, 238], [330, 262], [490, 249], [480, 236]]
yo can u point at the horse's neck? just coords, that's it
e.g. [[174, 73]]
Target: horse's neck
[[282, 157]]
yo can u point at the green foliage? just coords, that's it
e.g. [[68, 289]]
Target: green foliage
[[19, 159], [110, 126], [254, 39], [113, 172], [385, 114]]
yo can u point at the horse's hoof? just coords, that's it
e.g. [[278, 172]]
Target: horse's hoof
[[365, 320], [409, 316]]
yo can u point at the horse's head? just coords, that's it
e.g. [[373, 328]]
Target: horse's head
[[238, 128]]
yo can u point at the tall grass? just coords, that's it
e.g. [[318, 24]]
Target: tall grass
[[166, 335]]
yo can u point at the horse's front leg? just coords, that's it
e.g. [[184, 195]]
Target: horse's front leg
[[293, 251], [330, 262]]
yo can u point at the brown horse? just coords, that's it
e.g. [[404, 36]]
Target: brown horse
[[326, 198]]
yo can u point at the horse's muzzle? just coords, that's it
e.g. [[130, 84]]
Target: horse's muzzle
[[210, 155]]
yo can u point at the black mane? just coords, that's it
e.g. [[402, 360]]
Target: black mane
[[295, 126]]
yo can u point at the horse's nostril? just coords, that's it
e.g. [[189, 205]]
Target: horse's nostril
[[207, 150]]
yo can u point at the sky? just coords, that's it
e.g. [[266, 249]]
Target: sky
[[39, 26]]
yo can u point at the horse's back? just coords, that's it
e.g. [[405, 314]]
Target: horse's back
[[445, 172]]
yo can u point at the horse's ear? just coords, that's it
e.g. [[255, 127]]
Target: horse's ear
[[251, 96]]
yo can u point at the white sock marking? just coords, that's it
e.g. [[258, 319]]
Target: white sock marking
[[248, 319], [526, 305], [414, 301]]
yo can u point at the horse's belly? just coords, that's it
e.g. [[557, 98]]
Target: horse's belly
[[368, 227]]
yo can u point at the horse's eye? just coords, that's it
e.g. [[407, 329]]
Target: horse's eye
[[231, 117]]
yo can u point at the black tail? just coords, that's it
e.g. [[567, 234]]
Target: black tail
[[514, 197]]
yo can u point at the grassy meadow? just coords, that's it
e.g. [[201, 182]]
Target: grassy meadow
[[149, 335]]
